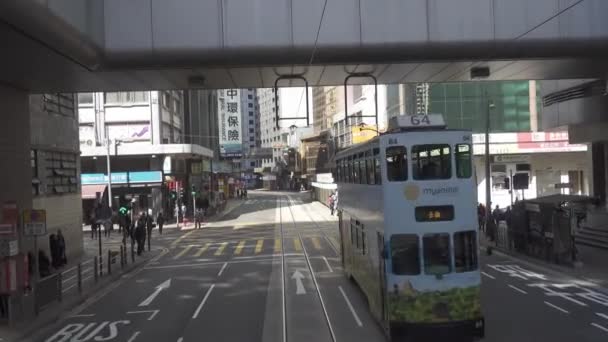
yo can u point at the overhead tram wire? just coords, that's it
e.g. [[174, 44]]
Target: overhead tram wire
[[314, 50]]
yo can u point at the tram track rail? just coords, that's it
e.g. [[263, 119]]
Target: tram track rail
[[319, 295]]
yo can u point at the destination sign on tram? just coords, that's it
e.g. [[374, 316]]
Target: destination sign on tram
[[417, 121]]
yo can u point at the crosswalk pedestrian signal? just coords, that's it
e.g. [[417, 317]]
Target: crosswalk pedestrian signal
[[193, 190], [123, 211], [173, 194]]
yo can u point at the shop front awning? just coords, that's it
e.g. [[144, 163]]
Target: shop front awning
[[90, 191]]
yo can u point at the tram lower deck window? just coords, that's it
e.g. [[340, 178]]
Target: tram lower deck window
[[405, 254], [465, 251], [436, 253]]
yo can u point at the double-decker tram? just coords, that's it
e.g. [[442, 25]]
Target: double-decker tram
[[408, 228]]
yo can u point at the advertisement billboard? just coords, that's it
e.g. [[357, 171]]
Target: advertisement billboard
[[229, 115]]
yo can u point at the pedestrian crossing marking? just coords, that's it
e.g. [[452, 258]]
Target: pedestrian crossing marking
[[184, 251], [202, 250], [239, 247], [316, 242], [277, 245], [297, 244], [221, 248], [258, 246]]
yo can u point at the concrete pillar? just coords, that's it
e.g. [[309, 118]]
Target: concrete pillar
[[16, 173], [598, 155]]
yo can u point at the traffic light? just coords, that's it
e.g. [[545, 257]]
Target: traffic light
[[193, 190], [173, 194], [181, 193], [123, 211]]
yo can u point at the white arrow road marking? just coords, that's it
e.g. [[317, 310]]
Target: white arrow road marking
[[298, 276], [165, 285], [152, 313]]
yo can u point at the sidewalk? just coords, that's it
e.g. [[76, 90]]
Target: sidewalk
[[71, 298], [592, 268]]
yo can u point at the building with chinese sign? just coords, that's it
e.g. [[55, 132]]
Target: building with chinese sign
[[160, 131]]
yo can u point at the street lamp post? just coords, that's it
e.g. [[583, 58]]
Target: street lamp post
[[488, 217], [108, 142]]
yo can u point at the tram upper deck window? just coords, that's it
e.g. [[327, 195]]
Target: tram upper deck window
[[465, 251], [436, 253], [396, 163], [463, 161], [405, 256], [431, 162]]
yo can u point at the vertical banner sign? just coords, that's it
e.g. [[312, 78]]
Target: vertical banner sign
[[229, 111]]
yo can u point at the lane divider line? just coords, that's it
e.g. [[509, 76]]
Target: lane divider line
[[221, 248], [600, 327], [602, 315], [557, 307], [134, 336], [488, 275], [328, 266], [350, 306], [222, 269], [518, 289], [200, 306]]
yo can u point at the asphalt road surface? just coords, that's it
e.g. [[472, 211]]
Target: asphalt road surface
[[270, 271]]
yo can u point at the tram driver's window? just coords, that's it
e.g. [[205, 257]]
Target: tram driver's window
[[436, 253], [465, 251], [431, 162], [396, 163], [463, 161], [405, 254]]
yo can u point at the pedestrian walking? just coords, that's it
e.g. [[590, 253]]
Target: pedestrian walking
[[330, 203], [93, 223], [481, 217], [61, 248], [198, 218], [54, 247], [149, 227], [140, 233], [160, 221], [205, 206], [245, 192]]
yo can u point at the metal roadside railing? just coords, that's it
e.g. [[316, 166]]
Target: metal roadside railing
[[78, 279]]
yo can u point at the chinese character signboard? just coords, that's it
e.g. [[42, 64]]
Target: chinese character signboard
[[229, 112]]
